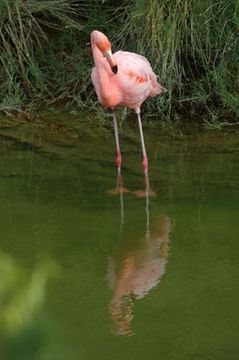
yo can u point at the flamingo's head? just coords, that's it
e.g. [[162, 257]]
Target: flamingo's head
[[103, 44]]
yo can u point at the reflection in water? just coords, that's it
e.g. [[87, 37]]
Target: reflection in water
[[119, 189], [134, 270]]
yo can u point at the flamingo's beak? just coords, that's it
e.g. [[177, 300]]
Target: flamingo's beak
[[109, 56], [114, 69]]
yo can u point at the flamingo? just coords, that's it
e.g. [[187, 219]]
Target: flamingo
[[122, 79]]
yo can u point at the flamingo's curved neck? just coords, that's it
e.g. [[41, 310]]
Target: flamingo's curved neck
[[97, 55], [103, 75]]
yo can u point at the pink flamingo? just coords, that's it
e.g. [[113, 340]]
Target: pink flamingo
[[123, 79]]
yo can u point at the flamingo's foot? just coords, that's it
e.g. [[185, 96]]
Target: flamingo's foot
[[145, 164], [117, 190], [144, 193], [118, 161]]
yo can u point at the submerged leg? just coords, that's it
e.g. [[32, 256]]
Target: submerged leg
[[118, 161], [145, 158]]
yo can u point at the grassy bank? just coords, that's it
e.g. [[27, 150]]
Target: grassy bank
[[45, 54]]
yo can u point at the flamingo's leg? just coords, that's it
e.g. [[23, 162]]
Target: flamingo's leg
[[145, 158], [118, 160]]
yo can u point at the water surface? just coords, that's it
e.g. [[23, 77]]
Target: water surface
[[91, 268]]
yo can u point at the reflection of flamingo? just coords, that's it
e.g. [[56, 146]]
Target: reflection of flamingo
[[133, 272], [119, 189], [124, 79]]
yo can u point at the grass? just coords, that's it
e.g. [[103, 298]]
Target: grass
[[45, 54], [193, 47]]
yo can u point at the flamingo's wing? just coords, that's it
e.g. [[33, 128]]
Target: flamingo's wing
[[134, 66], [135, 77]]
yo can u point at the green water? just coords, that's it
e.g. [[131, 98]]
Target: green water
[[86, 274]]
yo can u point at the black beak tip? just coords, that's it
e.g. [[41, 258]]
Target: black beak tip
[[115, 69]]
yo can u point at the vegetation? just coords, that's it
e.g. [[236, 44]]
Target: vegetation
[[45, 53]]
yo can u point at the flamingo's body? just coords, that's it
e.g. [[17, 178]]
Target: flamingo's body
[[130, 87], [123, 79]]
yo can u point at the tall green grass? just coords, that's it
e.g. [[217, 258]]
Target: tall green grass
[[36, 40], [192, 45]]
